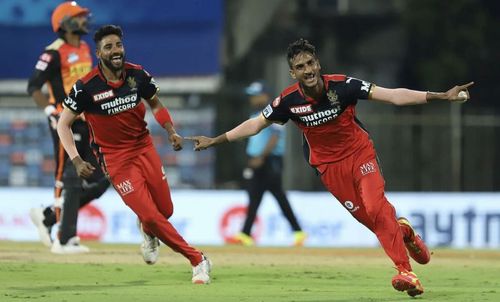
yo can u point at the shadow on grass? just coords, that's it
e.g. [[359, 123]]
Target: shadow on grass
[[78, 287]]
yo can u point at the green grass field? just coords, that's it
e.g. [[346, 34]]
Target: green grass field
[[29, 272]]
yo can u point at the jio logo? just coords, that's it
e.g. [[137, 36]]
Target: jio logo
[[232, 220], [91, 223], [349, 205]]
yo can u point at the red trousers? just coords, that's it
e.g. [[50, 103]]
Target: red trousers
[[357, 183], [142, 184]]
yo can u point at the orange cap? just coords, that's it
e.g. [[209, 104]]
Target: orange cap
[[66, 10]]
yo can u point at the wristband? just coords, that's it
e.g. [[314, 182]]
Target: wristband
[[162, 116], [49, 109]]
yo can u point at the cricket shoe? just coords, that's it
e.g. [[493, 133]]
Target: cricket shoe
[[299, 238], [37, 217], [243, 239], [201, 272], [407, 281], [414, 244], [150, 246], [73, 246]]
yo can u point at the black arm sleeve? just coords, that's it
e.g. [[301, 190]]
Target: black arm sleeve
[[357, 89], [77, 99], [47, 67], [277, 111], [148, 86]]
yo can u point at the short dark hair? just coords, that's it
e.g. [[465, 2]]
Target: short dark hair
[[107, 30], [301, 45]]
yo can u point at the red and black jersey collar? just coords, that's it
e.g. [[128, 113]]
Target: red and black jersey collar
[[112, 84], [310, 99]]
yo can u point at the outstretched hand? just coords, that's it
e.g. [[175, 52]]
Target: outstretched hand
[[454, 94], [176, 140], [200, 142]]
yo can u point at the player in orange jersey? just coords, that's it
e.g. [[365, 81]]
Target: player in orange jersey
[[60, 65]]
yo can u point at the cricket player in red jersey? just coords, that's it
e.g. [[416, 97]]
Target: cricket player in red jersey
[[110, 97], [340, 149]]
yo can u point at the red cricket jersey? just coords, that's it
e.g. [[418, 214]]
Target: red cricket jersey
[[115, 112], [329, 125]]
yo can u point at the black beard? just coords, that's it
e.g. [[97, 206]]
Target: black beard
[[81, 31], [78, 29], [110, 65]]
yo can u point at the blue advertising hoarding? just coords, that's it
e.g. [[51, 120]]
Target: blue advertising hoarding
[[169, 38]]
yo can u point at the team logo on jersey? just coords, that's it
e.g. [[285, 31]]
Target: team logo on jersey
[[73, 57], [70, 103], [276, 102], [41, 65], [367, 168], [302, 109], [125, 187], [46, 57], [152, 82], [103, 95], [76, 90], [267, 111], [365, 86], [43, 61], [332, 97], [350, 206], [131, 82]]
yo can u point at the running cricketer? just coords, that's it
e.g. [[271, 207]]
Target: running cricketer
[[340, 149], [110, 97]]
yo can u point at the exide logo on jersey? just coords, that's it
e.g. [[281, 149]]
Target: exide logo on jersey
[[103, 95], [304, 109]]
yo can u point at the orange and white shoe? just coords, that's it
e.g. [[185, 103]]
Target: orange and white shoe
[[201, 272], [414, 244], [407, 281]]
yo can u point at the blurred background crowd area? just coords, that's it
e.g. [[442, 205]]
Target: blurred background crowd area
[[204, 52]]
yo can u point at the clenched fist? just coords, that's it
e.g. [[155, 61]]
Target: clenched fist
[[176, 140], [83, 168]]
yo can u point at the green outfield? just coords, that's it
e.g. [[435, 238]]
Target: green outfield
[[29, 272]]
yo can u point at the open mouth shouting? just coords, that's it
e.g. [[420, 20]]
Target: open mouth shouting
[[310, 79], [117, 60]]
